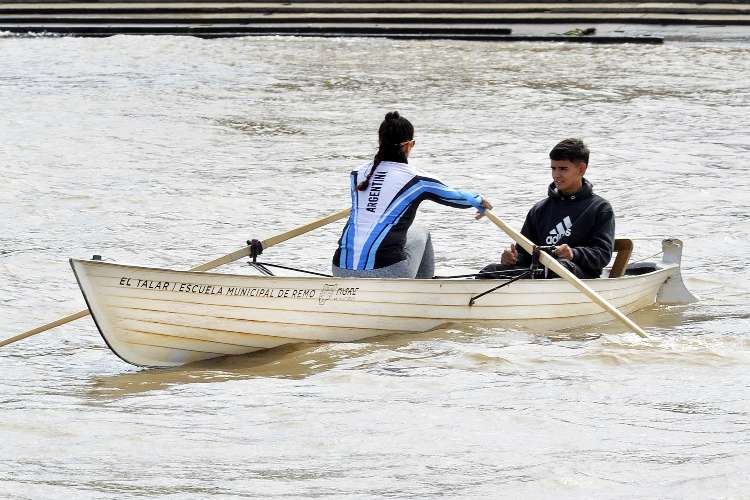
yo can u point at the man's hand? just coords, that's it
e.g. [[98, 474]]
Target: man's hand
[[485, 205], [564, 252], [510, 256]]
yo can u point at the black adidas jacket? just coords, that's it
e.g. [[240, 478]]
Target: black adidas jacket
[[583, 220]]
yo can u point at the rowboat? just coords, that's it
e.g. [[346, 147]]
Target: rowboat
[[162, 318]]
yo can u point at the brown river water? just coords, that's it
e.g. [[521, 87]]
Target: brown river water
[[170, 151]]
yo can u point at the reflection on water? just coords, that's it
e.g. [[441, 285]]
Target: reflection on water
[[294, 361], [289, 361]]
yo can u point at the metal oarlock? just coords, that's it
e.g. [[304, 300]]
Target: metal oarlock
[[256, 248], [550, 249]]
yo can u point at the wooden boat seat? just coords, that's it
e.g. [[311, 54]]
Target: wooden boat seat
[[623, 249]]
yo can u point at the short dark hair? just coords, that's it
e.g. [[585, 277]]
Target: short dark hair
[[570, 150]]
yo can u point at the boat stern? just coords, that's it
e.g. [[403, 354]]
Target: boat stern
[[674, 291]]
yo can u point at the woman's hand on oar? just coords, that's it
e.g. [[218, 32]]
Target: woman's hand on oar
[[226, 259], [561, 271], [486, 205]]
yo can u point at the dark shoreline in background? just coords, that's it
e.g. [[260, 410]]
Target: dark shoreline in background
[[596, 21]]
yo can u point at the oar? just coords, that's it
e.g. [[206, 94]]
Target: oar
[[230, 257], [561, 271]]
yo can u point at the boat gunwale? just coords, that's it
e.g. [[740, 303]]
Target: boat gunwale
[[662, 267]]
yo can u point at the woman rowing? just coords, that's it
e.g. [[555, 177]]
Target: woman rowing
[[379, 240]]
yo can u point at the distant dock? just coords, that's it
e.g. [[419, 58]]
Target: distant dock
[[465, 20]]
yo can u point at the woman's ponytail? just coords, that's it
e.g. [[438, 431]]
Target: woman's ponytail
[[375, 162]]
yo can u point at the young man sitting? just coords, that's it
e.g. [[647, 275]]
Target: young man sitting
[[578, 222]]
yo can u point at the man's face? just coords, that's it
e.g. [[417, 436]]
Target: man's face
[[567, 175]]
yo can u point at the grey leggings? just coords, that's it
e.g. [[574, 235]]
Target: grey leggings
[[419, 262]]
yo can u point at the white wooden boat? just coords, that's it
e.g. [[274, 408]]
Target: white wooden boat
[[161, 317]]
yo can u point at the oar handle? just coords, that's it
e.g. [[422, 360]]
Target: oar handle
[[226, 259], [561, 271], [274, 240]]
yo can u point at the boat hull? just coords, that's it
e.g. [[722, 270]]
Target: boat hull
[[160, 318]]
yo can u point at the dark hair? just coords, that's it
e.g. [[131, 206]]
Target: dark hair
[[394, 130], [570, 150]]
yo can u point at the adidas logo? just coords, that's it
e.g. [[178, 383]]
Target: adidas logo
[[563, 228]]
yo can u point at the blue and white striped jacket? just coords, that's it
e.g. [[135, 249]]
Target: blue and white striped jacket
[[375, 234]]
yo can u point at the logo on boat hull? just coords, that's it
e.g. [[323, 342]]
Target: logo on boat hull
[[326, 293], [332, 291]]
